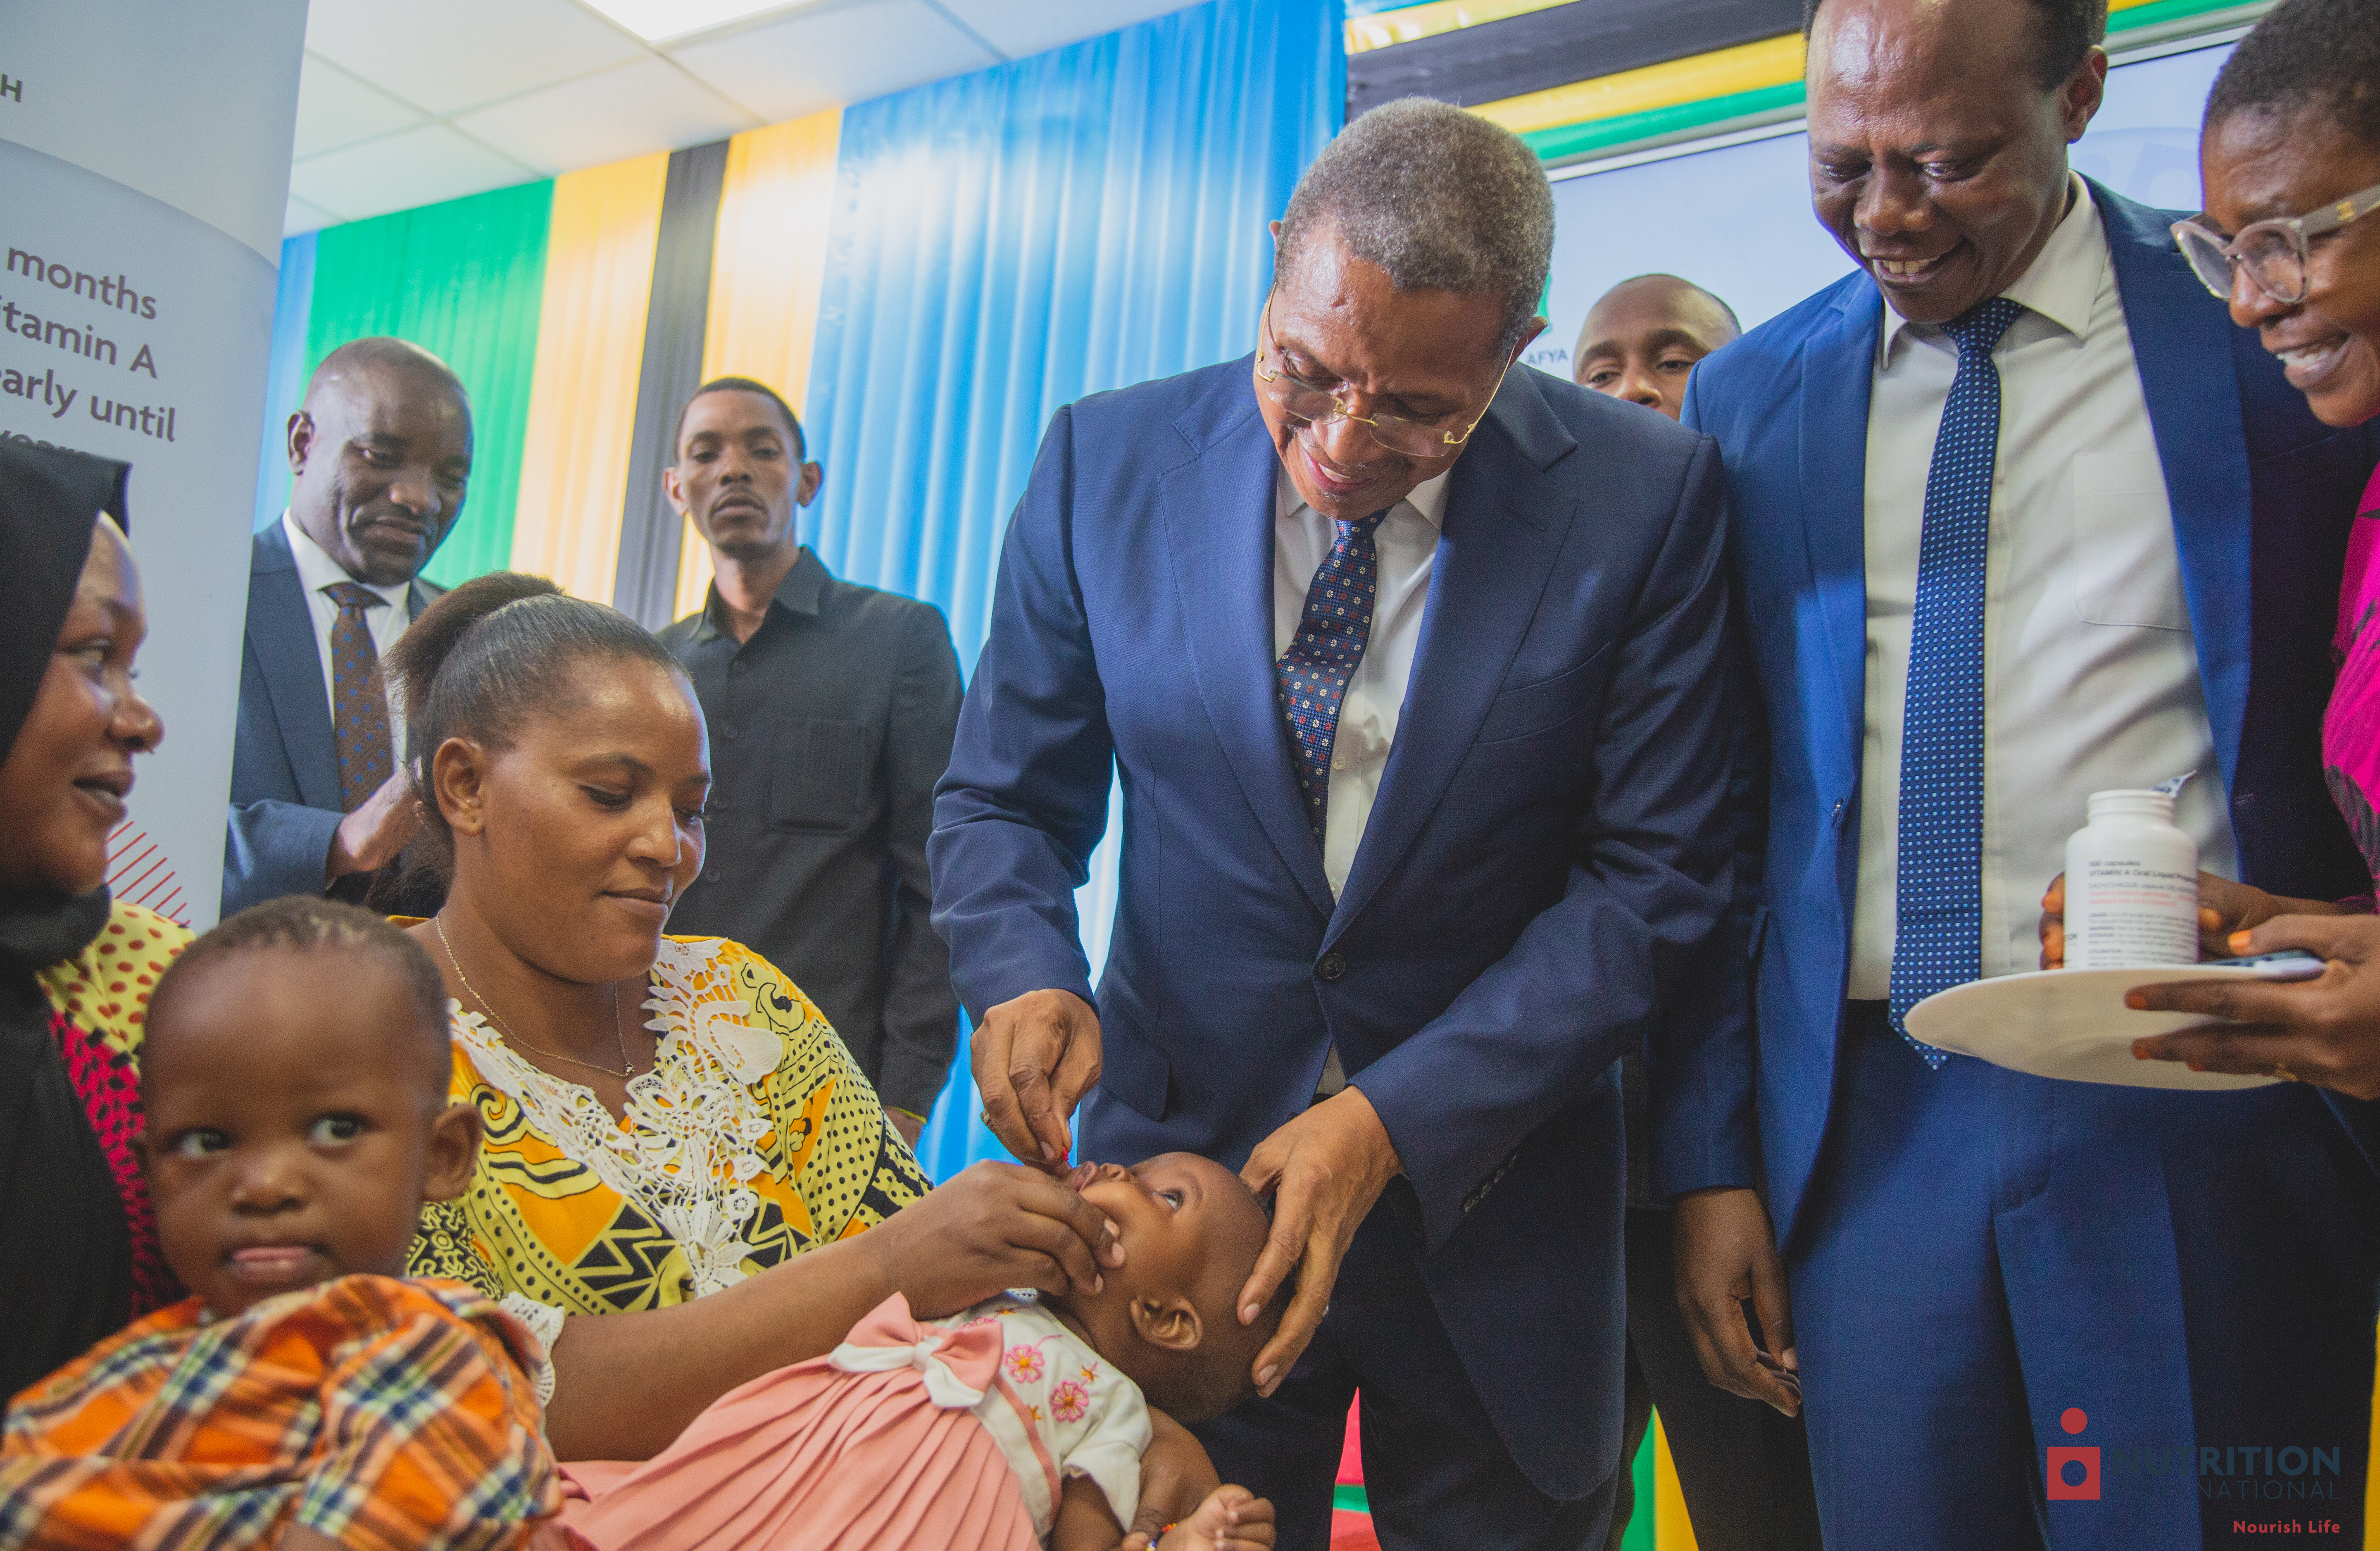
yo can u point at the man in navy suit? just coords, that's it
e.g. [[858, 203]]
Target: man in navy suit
[[380, 456], [2017, 517], [1411, 663]]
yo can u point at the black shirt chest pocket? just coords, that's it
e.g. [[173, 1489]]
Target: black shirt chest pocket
[[819, 782]]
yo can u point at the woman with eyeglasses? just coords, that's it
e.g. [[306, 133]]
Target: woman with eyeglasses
[[2290, 158]]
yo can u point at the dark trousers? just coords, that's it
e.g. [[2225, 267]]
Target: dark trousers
[[1745, 1468], [1435, 1473], [2158, 1304]]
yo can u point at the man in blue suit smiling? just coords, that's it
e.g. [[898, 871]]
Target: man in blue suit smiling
[[2018, 516], [1411, 663]]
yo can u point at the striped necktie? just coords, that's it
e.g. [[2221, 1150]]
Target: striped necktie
[[1312, 674], [358, 703], [1939, 891]]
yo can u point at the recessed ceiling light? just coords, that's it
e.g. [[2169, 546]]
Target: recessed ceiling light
[[655, 20]]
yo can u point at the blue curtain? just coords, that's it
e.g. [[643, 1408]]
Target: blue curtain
[[1008, 241], [284, 383]]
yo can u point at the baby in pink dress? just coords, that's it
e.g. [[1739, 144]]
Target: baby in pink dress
[[1015, 1425]]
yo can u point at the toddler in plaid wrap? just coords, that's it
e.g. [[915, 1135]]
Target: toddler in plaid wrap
[[306, 1397]]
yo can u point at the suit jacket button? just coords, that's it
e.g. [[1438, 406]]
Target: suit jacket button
[[1331, 966]]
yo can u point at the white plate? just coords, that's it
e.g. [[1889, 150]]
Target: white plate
[[2071, 1023]]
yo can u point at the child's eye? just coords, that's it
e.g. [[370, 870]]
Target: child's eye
[[198, 1142], [1172, 1199], [334, 1130]]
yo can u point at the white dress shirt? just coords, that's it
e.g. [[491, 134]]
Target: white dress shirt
[[2090, 672], [1406, 543], [316, 572], [1406, 546]]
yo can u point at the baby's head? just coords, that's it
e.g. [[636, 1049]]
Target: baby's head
[[295, 1081], [1167, 1319]]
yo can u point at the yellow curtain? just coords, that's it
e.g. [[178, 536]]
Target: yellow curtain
[[766, 271], [591, 344], [1671, 1530]]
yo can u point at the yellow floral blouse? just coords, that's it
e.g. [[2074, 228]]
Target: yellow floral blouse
[[753, 1139]]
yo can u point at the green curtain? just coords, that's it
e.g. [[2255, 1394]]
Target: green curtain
[[465, 280]]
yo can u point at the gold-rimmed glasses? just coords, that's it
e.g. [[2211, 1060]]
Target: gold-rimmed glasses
[[2273, 252], [1318, 406]]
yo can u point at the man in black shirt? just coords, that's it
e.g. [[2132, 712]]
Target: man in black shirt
[[832, 708]]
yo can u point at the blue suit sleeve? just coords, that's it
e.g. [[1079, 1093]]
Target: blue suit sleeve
[[1025, 800], [273, 849], [1648, 882], [274, 844], [1700, 1068]]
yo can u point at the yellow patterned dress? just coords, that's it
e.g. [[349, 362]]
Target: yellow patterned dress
[[753, 1139]]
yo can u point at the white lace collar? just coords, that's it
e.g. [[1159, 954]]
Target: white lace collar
[[684, 1152]]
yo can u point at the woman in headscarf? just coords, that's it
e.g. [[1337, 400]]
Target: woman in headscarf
[[80, 1243]]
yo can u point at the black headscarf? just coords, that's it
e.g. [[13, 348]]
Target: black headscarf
[[48, 501], [66, 1256]]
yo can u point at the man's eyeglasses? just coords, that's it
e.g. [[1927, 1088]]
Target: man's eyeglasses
[[2273, 252], [1318, 406]]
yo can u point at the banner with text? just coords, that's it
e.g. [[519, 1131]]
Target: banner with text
[[145, 149]]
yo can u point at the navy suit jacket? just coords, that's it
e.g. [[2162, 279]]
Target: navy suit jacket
[[284, 767], [1547, 850], [2262, 494]]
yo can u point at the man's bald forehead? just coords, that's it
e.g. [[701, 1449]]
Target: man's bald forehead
[[1667, 296], [359, 361]]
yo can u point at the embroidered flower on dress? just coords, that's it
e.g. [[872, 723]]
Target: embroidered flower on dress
[[683, 1152], [1069, 1401], [1025, 1364]]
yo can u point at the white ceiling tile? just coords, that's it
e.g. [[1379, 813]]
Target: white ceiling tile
[[307, 216], [647, 106], [449, 54], [335, 109], [679, 19], [1017, 28], [398, 171], [811, 60]]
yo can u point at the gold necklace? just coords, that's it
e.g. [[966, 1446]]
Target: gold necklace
[[626, 1067]]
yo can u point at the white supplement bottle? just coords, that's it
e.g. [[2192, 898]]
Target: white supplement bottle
[[2132, 886]]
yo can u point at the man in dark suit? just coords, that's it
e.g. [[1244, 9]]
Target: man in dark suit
[[1744, 1470], [830, 708], [1410, 661], [2019, 516], [380, 455]]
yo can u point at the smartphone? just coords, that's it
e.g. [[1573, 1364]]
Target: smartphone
[[2294, 963]]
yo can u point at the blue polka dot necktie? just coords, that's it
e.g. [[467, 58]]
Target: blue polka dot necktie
[[1939, 891], [358, 703], [1312, 674]]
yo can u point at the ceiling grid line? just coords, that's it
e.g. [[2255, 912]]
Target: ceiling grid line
[[409, 104]]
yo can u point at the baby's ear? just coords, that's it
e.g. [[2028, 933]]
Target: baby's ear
[[1169, 1323], [454, 1151]]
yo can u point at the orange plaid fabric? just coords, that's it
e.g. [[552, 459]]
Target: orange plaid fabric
[[381, 1414]]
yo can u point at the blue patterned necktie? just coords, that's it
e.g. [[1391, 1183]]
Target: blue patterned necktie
[[1312, 674], [1939, 891]]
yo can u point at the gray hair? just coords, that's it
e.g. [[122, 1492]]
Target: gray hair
[[1442, 198]]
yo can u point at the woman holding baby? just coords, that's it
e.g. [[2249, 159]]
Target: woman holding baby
[[677, 1142]]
